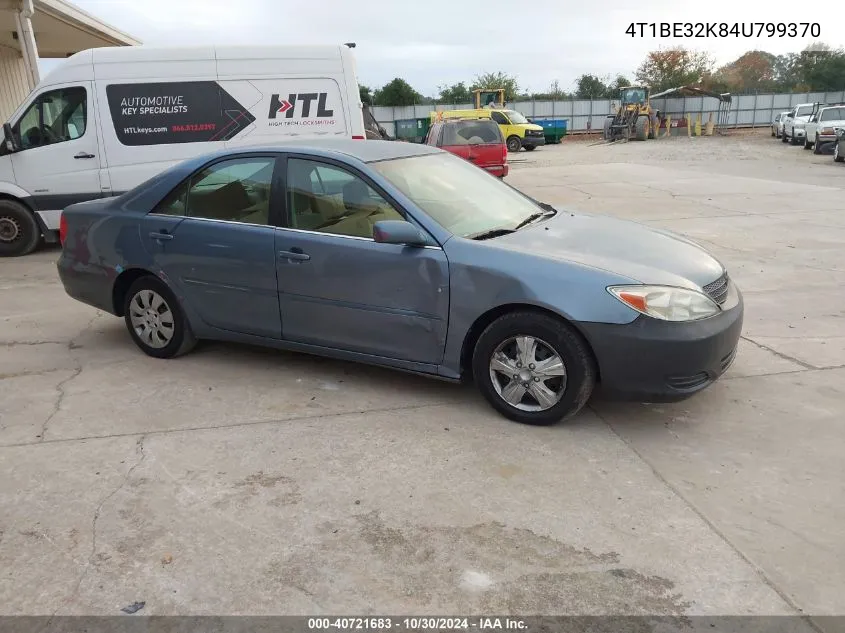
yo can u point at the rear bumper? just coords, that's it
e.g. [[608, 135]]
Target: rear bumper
[[497, 170], [825, 138], [656, 361], [87, 283], [533, 141]]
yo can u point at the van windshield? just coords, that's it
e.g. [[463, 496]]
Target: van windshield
[[515, 117]]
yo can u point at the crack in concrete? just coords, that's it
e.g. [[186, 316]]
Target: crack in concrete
[[139, 448], [31, 343], [302, 418], [761, 574], [57, 406], [780, 354]]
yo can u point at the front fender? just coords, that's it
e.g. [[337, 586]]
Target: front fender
[[11, 189]]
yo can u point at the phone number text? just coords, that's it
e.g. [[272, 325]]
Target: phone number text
[[724, 29]]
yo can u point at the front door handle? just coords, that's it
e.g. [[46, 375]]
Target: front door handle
[[84, 155], [161, 236], [295, 255]]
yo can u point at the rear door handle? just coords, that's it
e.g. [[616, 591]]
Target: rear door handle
[[161, 236], [298, 255], [84, 155]]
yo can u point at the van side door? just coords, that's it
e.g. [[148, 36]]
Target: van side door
[[58, 163]]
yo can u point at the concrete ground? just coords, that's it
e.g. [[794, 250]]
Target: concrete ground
[[237, 480]]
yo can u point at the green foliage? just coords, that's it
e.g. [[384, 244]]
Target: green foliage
[[674, 67], [366, 95], [497, 80], [456, 93], [397, 93]]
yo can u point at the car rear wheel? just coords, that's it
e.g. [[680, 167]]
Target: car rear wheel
[[19, 232], [514, 143], [533, 368], [155, 320], [817, 148], [837, 155]]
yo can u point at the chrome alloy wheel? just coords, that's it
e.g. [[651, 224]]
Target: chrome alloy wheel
[[151, 318], [528, 373]]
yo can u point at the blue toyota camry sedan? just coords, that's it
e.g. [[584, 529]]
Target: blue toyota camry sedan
[[405, 256]]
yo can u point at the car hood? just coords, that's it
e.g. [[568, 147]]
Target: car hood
[[628, 249]]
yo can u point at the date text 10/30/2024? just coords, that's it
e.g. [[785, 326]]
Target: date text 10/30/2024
[[724, 29]]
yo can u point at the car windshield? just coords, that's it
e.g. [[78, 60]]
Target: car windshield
[[459, 196], [805, 110], [515, 117]]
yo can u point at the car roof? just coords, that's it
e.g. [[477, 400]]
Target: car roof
[[366, 151]]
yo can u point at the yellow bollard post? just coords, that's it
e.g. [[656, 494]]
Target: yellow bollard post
[[668, 126], [698, 125], [689, 125]]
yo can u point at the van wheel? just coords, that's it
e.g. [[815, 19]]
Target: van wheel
[[514, 143], [19, 232]]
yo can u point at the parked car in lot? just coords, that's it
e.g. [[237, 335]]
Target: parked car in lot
[[793, 127], [479, 141], [409, 257], [839, 146], [821, 127], [777, 124]]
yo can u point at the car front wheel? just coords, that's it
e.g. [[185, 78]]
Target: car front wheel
[[533, 368], [155, 320], [837, 155]]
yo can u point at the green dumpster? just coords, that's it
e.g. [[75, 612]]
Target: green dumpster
[[412, 130], [553, 129]]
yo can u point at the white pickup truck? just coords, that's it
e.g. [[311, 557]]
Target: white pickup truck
[[793, 127], [820, 129]]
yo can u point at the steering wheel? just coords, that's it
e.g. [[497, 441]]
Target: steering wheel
[[51, 136]]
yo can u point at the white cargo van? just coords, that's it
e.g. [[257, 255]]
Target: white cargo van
[[109, 118]]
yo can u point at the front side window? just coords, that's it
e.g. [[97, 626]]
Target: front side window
[[456, 194], [54, 117], [235, 190], [499, 118], [329, 199]]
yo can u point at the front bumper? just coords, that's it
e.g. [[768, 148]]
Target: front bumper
[[799, 132], [533, 141], [650, 360]]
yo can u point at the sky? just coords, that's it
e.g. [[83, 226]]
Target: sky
[[432, 43]]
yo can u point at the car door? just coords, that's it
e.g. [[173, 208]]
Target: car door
[[58, 162], [214, 238], [338, 288]]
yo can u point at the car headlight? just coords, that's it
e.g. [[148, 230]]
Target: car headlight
[[666, 303]]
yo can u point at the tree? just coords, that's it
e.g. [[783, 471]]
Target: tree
[[754, 70], [397, 93], [456, 93], [491, 81], [366, 95], [674, 67], [590, 87], [553, 92], [820, 68]]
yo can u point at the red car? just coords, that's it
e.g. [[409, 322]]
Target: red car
[[477, 140]]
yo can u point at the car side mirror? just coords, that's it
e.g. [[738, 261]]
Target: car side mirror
[[398, 232], [9, 141]]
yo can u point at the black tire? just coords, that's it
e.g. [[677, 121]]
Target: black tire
[[514, 143], [784, 138], [837, 155], [182, 339], [773, 133], [606, 131], [530, 148], [577, 359], [641, 128], [807, 143], [817, 148], [793, 140], [19, 232]]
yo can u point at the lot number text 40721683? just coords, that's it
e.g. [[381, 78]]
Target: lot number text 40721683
[[724, 29]]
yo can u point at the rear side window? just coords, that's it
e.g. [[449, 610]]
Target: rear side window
[[471, 133], [832, 114]]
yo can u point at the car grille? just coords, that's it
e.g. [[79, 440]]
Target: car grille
[[718, 290], [684, 383], [725, 362]]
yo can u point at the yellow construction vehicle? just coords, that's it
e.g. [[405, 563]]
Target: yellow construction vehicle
[[633, 119], [487, 98]]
